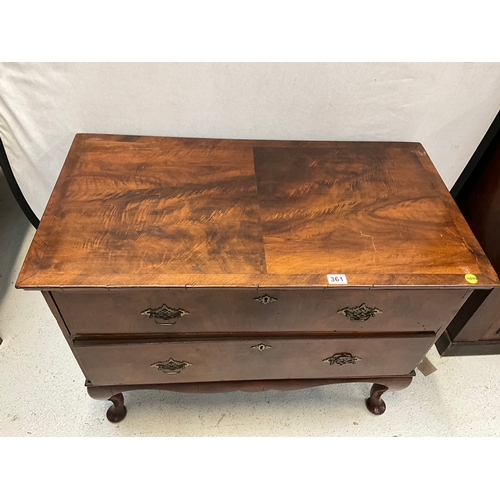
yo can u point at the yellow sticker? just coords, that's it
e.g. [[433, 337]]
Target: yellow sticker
[[471, 278]]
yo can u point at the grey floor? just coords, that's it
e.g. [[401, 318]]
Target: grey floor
[[42, 392]]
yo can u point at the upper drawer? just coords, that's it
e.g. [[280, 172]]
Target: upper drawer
[[216, 310]]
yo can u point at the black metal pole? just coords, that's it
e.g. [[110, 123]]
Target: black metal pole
[[14, 187]]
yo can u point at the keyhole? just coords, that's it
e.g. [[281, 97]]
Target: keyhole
[[261, 347]]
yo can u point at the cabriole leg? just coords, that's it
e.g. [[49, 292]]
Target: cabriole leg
[[375, 403], [117, 412]]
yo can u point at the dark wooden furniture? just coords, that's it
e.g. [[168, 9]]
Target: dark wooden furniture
[[477, 194], [204, 265]]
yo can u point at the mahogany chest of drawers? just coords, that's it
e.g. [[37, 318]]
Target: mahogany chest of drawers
[[206, 265]]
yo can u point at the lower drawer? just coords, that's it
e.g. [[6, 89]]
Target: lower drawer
[[252, 359]]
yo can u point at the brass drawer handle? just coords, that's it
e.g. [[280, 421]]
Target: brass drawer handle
[[265, 299], [171, 366], [359, 313], [164, 313], [342, 358]]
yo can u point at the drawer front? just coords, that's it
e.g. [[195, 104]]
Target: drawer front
[[252, 359], [205, 310]]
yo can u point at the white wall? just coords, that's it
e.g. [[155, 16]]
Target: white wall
[[447, 107]]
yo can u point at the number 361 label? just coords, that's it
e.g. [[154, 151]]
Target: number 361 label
[[336, 279]]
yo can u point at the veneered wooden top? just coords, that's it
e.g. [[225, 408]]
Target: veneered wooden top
[[132, 211]]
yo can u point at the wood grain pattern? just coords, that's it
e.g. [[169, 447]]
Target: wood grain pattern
[[150, 211], [325, 202]]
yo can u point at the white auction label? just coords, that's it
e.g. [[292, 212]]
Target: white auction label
[[336, 279]]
